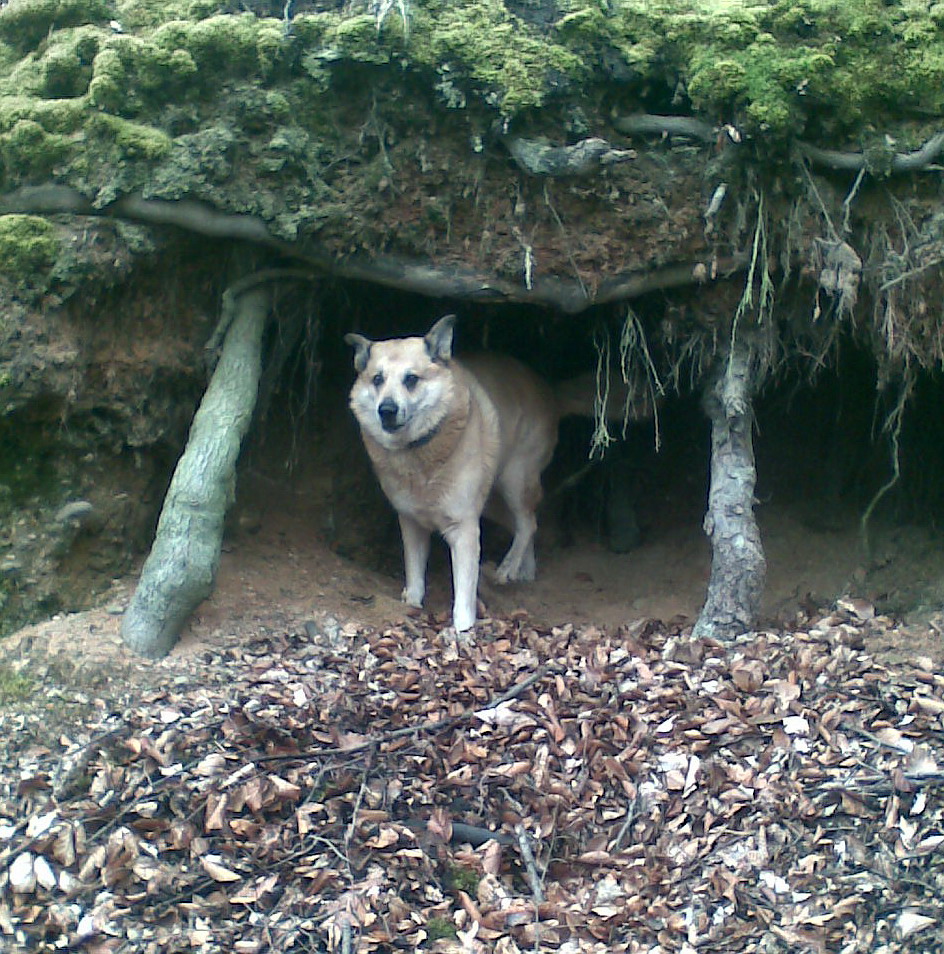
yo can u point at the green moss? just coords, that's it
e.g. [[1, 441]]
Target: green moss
[[228, 45], [439, 928], [14, 686], [29, 247], [25, 23], [54, 115], [65, 66], [130, 75], [464, 879], [29, 153], [132, 140], [480, 48]]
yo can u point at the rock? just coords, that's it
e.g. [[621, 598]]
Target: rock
[[76, 510]]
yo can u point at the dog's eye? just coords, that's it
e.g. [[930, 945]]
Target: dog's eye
[[410, 381], [377, 380]]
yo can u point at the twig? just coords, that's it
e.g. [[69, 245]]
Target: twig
[[530, 867], [433, 725]]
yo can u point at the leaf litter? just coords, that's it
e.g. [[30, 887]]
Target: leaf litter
[[344, 789]]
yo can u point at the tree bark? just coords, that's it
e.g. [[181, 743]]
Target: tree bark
[[181, 568], [738, 565]]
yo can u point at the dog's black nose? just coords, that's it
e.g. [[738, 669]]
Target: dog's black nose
[[387, 411]]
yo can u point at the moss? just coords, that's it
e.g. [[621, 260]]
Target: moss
[[480, 48], [65, 66], [228, 45], [144, 14], [29, 153], [132, 140], [54, 115], [29, 247], [130, 75], [464, 879], [439, 928], [25, 23], [14, 686], [108, 88]]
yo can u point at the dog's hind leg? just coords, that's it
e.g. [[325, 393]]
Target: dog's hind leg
[[464, 546], [521, 491], [415, 555]]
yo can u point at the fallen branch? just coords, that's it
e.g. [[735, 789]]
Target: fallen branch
[[530, 867], [180, 570], [431, 725]]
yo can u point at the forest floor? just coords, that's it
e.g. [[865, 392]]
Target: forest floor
[[315, 769]]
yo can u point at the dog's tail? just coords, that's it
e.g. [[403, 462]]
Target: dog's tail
[[585, 396]]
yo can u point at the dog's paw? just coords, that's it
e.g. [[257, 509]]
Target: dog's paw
[[455, 638], [463, 619], [510, 572], [412, 599]]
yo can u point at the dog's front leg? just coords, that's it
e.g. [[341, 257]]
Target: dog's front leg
[[463, 540], [415, 555]]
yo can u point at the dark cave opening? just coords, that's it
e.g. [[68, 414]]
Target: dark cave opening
[[820, 449]]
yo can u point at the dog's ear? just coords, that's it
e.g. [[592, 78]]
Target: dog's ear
[[439, 339], [361, 346]]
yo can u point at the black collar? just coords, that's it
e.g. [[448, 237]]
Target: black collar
[[425, 439]]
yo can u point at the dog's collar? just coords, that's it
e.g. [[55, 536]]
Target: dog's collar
[[425, 439]]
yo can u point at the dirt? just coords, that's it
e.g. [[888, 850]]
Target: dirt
[[279, 571]]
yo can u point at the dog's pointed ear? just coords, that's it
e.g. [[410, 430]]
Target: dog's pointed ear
[[361, 346], [439, 339]]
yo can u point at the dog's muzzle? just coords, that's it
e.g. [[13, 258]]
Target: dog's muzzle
[[387, 411]]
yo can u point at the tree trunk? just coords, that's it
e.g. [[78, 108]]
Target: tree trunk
[[738, 566], [181, 568]]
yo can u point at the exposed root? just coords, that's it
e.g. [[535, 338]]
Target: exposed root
[[901, 162], [539, 158], [893, 424], [633, 342], [686, 127], [569, 297]]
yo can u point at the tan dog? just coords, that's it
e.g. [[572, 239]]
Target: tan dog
[[442, 435]]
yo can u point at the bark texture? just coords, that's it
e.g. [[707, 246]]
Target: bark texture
[[181, 568], [738, 565]]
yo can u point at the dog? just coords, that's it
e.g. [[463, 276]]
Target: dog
[[443, 437]]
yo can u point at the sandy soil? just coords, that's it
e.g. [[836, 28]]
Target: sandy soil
[[320, 543]]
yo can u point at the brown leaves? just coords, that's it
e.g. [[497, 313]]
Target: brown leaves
[[539, 790]]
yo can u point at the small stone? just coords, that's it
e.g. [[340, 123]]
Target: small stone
[[74, 510]]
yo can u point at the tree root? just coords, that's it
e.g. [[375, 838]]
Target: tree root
[[686, 127], [540, 158], [181, 568], [567, 296], [900, 162], [738, 565]]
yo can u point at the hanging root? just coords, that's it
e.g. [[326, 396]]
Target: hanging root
[[893, 424], [601, 438], [640, 397]]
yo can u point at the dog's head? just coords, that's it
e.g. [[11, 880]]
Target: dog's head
[[403, 385]]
